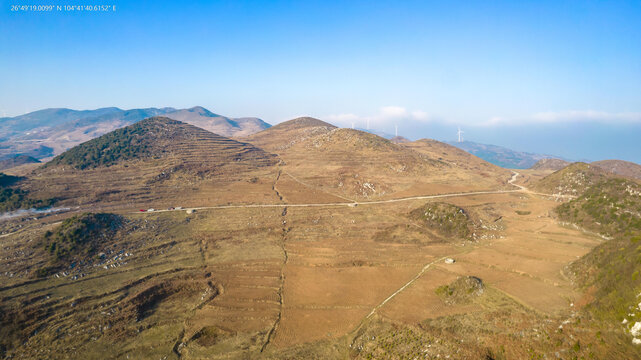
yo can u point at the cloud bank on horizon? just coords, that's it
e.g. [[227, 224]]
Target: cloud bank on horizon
[[387, 115], [575, 135]]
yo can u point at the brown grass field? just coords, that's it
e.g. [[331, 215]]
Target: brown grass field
[[288, 280], [270, 280]]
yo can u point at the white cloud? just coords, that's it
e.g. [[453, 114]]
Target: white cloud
[[570, 116], [420, 115], [386, 115], [342, 118], [393, 112], [495, 120], [586, 115]]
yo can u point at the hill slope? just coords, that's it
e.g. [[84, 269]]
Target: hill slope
[[455, 156], [52, 131], [284, 135], [189, 147], [573, 179], [57, 130], [152, 156], [610, 272], [620, 167], [358, 165]]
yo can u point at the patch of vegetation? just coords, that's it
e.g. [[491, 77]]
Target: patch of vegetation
[[15, 198], [7, 180], [611, 270], [573, 179], [385, 340], [446, 219], [139, 140], [396, 343], [523, 212], [210, 336], [403, 234], [462, 290], [612, 207], [78, 236]]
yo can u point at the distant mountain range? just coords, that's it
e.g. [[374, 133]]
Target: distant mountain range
[[494, 154], [501, 156], [45, 133], [17, 161]]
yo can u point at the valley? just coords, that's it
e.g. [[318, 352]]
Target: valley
[[275, 247], [320, 180]]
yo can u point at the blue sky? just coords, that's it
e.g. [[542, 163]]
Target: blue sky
[[563, 76]]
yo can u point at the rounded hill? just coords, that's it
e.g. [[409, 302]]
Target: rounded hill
[[286, 134], [157, 158], [620, 167], [354, 164], [158, 138], [573, 179]]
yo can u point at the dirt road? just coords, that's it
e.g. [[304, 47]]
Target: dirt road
[[360, 203]]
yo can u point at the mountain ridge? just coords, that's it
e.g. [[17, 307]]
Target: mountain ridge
[[620, 167], [49, 132], [500, 155]]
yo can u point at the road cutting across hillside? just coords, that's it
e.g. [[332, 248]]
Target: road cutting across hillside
[[375, 202]]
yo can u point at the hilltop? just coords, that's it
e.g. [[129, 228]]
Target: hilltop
[[620, 167], [286, 134], [399, 140], [49, 132], [156, 138], [550, 164], [149, 157], [573, 179], [355, 164]]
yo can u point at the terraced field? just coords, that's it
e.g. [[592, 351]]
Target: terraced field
[[176, 164]]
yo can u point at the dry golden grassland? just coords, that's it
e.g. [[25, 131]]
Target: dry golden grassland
[[234, 282], [298, 252]]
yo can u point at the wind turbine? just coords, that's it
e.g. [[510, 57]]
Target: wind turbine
[[460, 132]]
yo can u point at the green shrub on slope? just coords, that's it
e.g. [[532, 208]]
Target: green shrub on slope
[[80, 235]]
